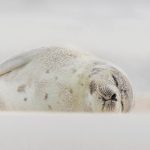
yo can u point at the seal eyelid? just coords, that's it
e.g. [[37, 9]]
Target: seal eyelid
[[115, 79]]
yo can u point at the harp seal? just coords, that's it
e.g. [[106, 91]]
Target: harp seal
[[59, 79]]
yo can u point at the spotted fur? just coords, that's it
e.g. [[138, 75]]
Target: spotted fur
[[58, 79]]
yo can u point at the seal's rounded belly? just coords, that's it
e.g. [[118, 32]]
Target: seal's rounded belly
[[58, 79]]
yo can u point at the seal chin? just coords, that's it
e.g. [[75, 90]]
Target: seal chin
[[111, 106]]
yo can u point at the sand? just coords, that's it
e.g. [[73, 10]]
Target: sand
[[142, 104]]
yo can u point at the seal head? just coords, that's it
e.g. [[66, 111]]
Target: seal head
[[110, 90]]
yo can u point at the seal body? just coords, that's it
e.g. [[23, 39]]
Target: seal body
[[58, 79]]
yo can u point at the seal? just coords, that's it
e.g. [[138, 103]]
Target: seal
[[59, 79]]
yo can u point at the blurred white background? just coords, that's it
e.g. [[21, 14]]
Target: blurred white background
[[117, 30]]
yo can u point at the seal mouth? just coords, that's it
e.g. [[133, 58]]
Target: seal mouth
[[108, 106]]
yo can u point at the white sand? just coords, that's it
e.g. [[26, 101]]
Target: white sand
[[142, 104], [43, 131]]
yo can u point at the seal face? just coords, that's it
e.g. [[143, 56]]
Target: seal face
[[111, 90], [58, 79]]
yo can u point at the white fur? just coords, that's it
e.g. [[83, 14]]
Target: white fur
[[50, 79]]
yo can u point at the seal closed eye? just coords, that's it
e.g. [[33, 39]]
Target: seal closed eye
[[115, 80]]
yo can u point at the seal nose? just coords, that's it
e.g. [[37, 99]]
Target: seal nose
[[113, 97]]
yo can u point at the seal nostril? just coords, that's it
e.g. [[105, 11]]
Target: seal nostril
[[113, 97]]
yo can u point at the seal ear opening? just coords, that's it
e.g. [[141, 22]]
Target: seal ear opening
[[92, 87]]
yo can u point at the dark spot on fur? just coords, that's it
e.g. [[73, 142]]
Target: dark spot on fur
[[71, 91], [95, 71], [50, 107], [21, 88], [115, 79], [100, 98], [81, 84], [96, 63], [92, 87], [47, 71], [74, 70], [56, 78], [25, 99], [89, 75], [125, 91], [46, 96]]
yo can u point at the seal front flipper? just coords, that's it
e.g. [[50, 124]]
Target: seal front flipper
[[18, 61]]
